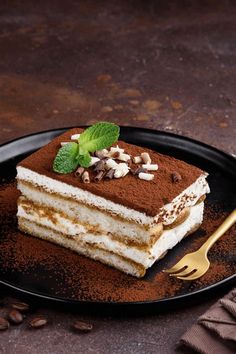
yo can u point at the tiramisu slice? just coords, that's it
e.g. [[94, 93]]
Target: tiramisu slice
[[118, 203]]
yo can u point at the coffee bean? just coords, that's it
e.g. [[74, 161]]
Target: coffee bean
[[38, 322], [15, 317], [82, 326], [176, 177], [4, 324], [20, 306]]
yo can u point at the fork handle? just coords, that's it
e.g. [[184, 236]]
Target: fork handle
[[229, 221]]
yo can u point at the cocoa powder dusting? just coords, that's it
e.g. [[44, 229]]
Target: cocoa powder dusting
[[66, 274], [149, 198]]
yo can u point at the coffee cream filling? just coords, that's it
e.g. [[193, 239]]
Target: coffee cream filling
[[71, 219], [143, 257], [95, 219], [90, 251], [167, 214]]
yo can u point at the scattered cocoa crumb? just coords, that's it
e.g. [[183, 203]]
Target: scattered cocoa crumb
[[176, 177], [165, 201]]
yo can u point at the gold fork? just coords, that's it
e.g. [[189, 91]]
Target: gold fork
[[196, 264]]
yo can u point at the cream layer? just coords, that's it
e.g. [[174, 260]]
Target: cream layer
[[99, 219], [90, 251], [168, 213], [145, 257]]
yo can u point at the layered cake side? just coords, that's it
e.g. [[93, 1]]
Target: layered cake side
[[128, 216]]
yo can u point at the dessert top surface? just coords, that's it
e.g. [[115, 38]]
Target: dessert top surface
[[144, 196]]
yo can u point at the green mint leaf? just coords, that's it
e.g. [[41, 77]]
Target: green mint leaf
[[82, 151], [65, 161], [84, 160], [99, 136]]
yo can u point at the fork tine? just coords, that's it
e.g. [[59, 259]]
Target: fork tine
[[174, 269], [194, 276], [177, 267], [186, 271]]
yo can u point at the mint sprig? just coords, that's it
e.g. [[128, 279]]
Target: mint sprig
[[65, 161], [97, 137], [84, 160]]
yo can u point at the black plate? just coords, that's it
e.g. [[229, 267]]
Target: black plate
[[44, 281]]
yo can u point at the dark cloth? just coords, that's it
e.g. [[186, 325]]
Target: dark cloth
[[215, 331]]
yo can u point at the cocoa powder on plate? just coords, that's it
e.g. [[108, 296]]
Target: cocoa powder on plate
[[79, 278]]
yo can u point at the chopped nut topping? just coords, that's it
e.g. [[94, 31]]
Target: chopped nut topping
[[79, 171], [106, 166], [75, 137], [150, 167], [101, 154], [124, 168], [85, 177], [105, 152], [146, 176], [116, 155], [111, 164], [137, 159], [146, 158], [121, 170], [118, 173], [116, 149], [176, 177], [123, 157]]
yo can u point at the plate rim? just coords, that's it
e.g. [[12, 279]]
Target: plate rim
[[148, 130], [162, 301]]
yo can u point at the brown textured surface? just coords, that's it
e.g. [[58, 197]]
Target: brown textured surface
[[80, 278], [145, 196], [157, 64]]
